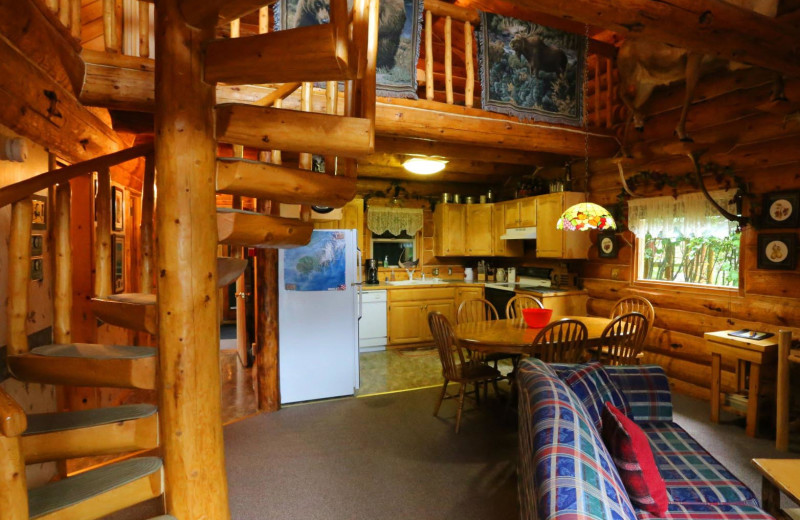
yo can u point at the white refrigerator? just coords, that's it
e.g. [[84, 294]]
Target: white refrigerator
[[319, 306]]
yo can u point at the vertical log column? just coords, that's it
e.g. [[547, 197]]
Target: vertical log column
[[62, 287], [429, 56], [144, 29], [146, 227], [186, 248], [102, 236], [448, 59], [19, 270], [469, 90]]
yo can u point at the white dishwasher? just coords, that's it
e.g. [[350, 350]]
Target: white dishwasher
[[372, 325]]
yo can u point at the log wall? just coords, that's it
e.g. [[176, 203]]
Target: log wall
[[761, 147]]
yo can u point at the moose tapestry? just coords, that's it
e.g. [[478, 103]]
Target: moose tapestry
[[531, 71], [399, 33]]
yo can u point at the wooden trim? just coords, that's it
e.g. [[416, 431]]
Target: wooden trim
[[461, 14]]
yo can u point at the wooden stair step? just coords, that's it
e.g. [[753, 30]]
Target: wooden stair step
[[87, 364], [98, 492], [139, 311], [249, 229], [136, 311], [312, 53], [282, 183], [85, 433], [294, 131]]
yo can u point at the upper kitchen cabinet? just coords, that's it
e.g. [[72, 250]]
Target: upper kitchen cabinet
[[449, 237], [502, 247], [554, 243], [520, 213], [479, 230]]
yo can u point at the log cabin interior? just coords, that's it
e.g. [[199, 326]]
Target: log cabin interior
[[212, 227]]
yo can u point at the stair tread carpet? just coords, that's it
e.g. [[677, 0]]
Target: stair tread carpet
[[53, 422]]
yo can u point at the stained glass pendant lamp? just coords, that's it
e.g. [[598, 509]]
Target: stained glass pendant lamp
[[586, 215]]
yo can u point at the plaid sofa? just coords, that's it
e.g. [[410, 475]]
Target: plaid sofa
[[566, 472]]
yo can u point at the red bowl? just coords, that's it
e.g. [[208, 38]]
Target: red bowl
[[537, 318]]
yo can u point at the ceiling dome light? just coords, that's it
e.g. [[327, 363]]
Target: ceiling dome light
[[585, 216], [424, 165]]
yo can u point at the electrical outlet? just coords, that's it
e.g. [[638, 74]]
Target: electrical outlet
[[615, 274]]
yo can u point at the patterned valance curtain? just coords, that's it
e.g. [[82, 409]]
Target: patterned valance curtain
[[394, 220], [688, 215]]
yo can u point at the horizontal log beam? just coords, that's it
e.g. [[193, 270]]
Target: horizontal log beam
[[293, 131], [199, 13], [439, 8], [387, 172], [25, 188], [244, 229], [430, 120], [283, 184], [418, 188], [316, 55], [35, 106], [38, 36], [456, 165], [712, 27], [385, 144]]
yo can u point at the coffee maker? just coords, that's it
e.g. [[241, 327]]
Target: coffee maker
[[372, 272]]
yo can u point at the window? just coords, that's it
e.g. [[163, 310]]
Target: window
[[394, 248], [685, 240]]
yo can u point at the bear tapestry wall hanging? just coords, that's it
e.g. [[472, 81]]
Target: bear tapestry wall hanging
[[399, 33], [530, 71]]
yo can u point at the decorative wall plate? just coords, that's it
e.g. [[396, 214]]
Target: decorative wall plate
[[777, 251], [780, 209], [607, 245]]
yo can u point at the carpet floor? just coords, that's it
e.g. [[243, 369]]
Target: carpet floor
[[387, 457]]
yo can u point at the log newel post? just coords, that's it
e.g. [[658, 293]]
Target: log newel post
[[146, 227], [102, 235], [190, 416], [62, 279], [19, 269]]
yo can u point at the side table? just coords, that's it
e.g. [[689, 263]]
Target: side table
[[756, 353], [778, 476]]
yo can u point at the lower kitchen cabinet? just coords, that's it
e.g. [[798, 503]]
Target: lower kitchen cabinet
[[467, 293], [407, 313]]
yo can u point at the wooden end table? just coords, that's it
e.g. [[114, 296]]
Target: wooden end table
[[757, 353], [779, 476]]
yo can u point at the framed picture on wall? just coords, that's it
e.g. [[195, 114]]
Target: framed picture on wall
[[781, 209], [39, 220], [37, 269], [777, 251], [607, 245], [118, 262], [37, 245], [117, 209]]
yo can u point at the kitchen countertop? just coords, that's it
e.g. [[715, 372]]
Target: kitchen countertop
[[463, 283]]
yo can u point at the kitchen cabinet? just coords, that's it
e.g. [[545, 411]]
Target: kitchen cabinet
[[467, 293], [552, 242], [449, 236], [407, 313], [502, 247], [472, 230], [479, 229], [520, 213]]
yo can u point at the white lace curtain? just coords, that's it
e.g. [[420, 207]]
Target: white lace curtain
[[394, 220], [689, 215]]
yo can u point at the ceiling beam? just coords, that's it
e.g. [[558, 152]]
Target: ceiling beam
[[453, 164], [218, 12], [709, 26], [400, 145], [35, 106]]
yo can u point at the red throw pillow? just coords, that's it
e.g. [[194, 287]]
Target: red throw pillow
[[634, 459]]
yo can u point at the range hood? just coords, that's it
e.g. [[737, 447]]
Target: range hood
[[520, 233]]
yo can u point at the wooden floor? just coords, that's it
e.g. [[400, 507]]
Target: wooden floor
[[238, 389]]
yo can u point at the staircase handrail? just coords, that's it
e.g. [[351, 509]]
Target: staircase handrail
[[13, 421], [24, 189]]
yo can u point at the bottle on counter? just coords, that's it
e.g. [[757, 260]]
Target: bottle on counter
[[386, 261]]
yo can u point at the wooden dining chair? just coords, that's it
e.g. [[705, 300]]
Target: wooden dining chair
[[455, 367], [476, 309], [623, 339], [562, 341], [521, 301], [634, 304]]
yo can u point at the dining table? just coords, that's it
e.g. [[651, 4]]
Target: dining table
[[514, 336]]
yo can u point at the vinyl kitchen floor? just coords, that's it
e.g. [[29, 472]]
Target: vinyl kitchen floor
[[395, 370]]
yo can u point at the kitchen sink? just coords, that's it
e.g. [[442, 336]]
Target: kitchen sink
[[416, 282]]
